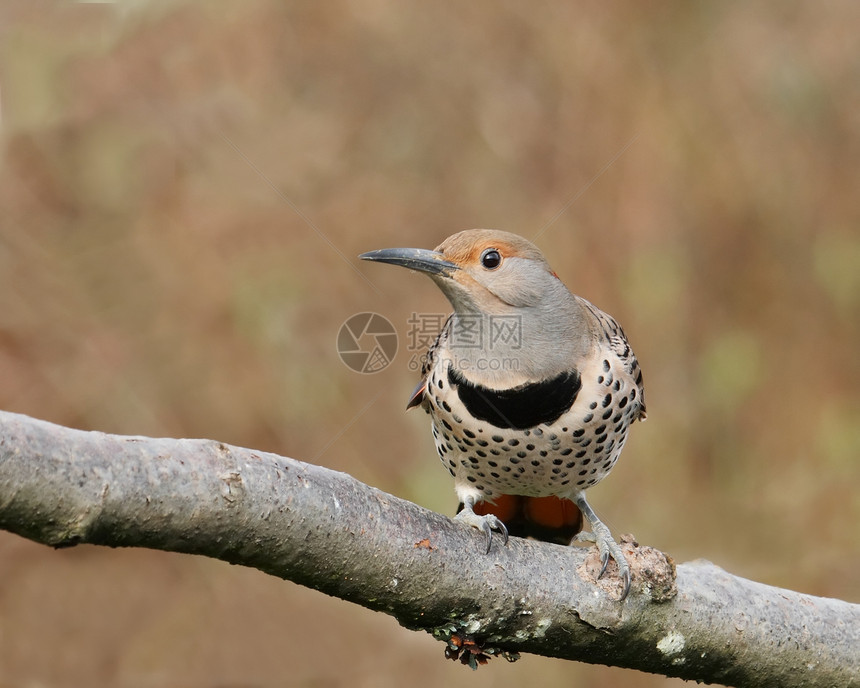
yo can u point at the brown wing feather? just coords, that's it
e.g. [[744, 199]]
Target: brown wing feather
[[617, 340], [417, 396]]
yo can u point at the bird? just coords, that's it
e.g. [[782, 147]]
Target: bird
[[531, 390]]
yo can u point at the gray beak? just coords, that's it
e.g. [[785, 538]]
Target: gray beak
[[420, 259]]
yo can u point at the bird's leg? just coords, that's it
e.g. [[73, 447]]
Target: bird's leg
[[487, 523], [606, 546]]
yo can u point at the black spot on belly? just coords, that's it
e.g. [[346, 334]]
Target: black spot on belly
[[519, 407], [606, 400], [468, 433]]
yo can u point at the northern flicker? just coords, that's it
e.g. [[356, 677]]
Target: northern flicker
[[531, 389]]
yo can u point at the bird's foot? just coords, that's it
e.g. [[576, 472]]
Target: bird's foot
[[606, 548], [487, 523]]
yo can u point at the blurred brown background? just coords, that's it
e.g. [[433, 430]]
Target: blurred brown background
[[184, 189]]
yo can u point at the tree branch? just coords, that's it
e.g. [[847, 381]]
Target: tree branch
[[326, 530]]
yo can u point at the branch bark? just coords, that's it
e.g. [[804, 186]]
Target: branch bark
[[326, 530]]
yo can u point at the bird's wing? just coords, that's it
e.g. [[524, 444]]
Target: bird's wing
[[617, 340], [417, 397]]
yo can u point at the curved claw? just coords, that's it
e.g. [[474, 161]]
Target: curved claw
[[609, 549], [625, 579], [606, 546], [604, 562], [491, 523], [487, 524]]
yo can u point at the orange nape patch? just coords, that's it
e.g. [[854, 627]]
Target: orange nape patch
[[543, 518]]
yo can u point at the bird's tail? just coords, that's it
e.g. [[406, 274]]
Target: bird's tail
[[544, 518]]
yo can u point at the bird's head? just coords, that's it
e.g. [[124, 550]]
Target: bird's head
[[487, 273], [482, 271]]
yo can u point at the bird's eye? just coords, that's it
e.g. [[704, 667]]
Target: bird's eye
[[491, 259]]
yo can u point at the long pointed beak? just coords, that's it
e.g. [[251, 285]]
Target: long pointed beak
[[420, 259]]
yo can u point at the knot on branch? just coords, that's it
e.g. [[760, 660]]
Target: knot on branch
[[652, 571]]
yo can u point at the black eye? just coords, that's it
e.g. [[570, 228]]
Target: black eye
[[491, 259]]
